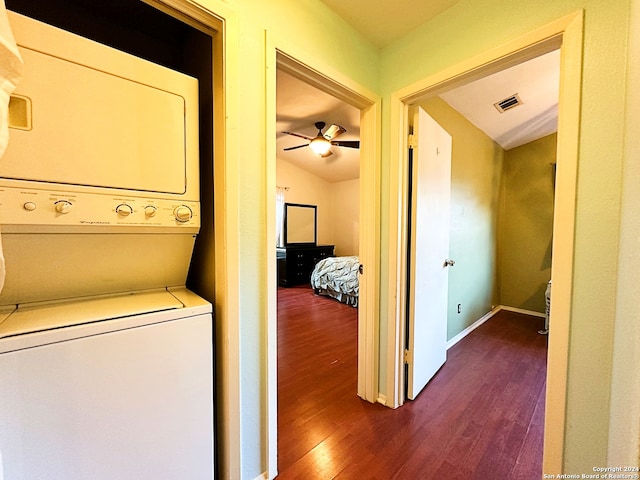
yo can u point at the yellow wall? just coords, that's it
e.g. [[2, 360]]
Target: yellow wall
[[526, 224], [337, 203], [624, 430], [345, 197]]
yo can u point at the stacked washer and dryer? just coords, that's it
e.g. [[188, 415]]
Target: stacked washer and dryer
[[106, 360]]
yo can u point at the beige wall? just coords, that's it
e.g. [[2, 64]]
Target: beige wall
[[338, 205], [345, 199], [306, 188], [526, 224]]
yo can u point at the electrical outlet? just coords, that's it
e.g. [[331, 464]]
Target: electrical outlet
[[459, 308]]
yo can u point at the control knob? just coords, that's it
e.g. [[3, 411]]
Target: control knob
[[63, 206], [150, 211], [124, 210], [182, 213]]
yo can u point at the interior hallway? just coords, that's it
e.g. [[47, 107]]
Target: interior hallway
[[482, 415]]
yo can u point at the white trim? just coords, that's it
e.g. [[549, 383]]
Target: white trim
[[488, 316], [262, 476], [396, 288], [271, 341], [382, 399], [472, 327], [521, 310]]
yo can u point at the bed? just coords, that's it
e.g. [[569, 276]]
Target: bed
[[337, 277]]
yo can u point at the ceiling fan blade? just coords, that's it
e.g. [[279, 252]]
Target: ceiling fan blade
[[333, 131], [347, 143], [299, 135], [293, 148]]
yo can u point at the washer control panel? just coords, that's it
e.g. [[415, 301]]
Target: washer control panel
[[21, 206]]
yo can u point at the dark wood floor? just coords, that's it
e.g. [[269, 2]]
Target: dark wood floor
[[480, 417]]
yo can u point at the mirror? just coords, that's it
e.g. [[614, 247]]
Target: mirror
[[300, 224]]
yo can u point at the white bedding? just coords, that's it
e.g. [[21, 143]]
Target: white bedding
[[337, 277]]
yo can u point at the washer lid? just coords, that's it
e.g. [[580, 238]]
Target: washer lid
[[37, 317]]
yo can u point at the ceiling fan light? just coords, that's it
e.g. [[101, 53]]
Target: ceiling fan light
[[320, 145]]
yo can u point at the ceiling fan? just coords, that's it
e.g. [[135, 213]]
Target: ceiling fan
[[322, 142]]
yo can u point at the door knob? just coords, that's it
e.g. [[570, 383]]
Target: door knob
[[449, 263]]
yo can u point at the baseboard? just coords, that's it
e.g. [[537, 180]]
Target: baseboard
[[262, 476], [486, 317], [521, 310], [382, 399], [471, 328]]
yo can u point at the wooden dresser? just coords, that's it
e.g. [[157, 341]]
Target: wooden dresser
[[295, 263]]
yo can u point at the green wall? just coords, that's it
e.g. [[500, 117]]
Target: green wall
[[476, 175], [526, 224]]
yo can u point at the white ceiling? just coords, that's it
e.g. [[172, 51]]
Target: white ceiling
[[537, 84], [382, 22], [298, 107]]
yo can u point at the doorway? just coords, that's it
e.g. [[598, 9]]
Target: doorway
[[501, 199], [566, 35], [317, 335], [369, 106]]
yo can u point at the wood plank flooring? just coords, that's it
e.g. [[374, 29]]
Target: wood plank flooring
[[480, 417]]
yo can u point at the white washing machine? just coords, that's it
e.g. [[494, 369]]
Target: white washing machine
[[114, 387]]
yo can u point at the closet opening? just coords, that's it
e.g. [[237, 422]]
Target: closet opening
[[164, 33]]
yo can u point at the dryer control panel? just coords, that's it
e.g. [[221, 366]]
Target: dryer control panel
[[35, 207]]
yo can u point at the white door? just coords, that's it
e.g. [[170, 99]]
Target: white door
[[428, 262]]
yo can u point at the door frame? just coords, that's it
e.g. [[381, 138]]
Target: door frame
[[298, 63], [565, 33], [217, 279]]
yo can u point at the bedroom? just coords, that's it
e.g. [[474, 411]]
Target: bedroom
[[328, 186]]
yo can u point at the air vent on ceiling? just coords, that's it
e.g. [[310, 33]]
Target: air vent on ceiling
[[508, 103]]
